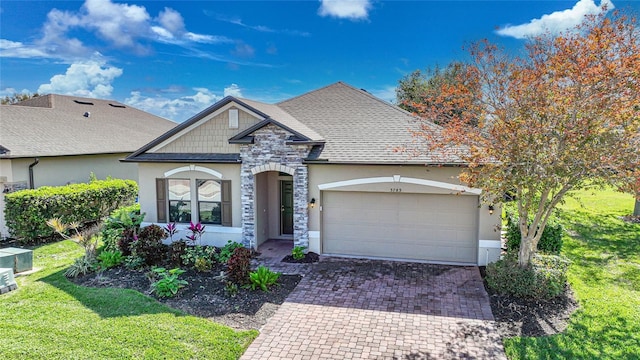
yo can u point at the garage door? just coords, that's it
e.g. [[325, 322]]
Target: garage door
[[401, 226]]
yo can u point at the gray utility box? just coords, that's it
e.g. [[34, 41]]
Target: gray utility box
[[17, 259], [7, 282]]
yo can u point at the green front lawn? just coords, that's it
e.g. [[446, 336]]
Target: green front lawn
[[605, 276], [49, 317]]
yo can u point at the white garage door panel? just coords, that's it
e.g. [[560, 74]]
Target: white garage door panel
[[403, 226]]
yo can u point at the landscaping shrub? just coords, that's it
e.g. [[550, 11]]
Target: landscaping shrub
[[149, 245], [550, 242], [121, 219], [193, 253], [546, 278], [82, 266], [227, 250], [263, 278], [125, 241], [27, 211], [178, 249], [297, 252], [109, 259], [169, 282], [238, 266]]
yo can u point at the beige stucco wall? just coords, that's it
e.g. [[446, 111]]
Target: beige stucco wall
[[211, 136], [6, 175], [62, 170], [488, 235], [489, 225], [216, 235]]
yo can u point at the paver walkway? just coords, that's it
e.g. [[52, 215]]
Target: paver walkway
[[365, 309]]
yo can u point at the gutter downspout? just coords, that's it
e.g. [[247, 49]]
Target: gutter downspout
[[35, 162]]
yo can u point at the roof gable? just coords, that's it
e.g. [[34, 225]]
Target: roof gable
[[194, 122]]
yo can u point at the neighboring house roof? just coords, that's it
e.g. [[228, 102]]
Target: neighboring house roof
[[59, 125], [345, 125]]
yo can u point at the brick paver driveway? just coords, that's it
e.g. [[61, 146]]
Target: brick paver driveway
[[363, 309]]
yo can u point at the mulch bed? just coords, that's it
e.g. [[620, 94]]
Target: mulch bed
[[205, 296], [308, 258], [527, 317], [631, 219]]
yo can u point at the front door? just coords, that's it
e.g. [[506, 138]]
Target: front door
[[286, 207]]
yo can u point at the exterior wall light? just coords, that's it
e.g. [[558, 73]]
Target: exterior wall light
[[491, 209], [312, 203]]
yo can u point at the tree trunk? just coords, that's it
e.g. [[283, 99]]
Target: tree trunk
[[636, 209], [526, 252]]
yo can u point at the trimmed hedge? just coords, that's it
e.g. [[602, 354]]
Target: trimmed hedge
[[27, 211], [550, 242], [545, 279]]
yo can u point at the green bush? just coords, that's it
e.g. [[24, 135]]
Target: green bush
[[109, 259], [227, 250], [297, 252], [121, 219], [263, 278], [546, 278], [27, 211], [550, 242], [191, 254], [169, 282]]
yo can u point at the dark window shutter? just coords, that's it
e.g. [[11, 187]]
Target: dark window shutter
[[161, 200], [225, 203]]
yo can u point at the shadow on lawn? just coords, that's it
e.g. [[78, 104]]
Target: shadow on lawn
[[606, 232], [109, 302], [613, 341]]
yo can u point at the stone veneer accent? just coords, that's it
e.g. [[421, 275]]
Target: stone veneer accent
[[270, 152]]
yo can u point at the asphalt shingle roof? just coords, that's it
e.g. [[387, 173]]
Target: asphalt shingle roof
[[345, 125], [357, 126], [56, 125]]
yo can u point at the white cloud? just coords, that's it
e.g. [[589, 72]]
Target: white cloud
[[16, 49], [181, 108], [88, 78], [556, 22], [120, 25], [345, 9], [12, 91], [233, 90]]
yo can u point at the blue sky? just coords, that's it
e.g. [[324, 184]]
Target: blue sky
[[174, 58]]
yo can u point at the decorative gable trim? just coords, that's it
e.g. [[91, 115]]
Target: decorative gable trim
[[232, 105], [195, 121], [193, 168], [400, 179], [246, 138]]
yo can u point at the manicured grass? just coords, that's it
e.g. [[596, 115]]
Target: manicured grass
[[49, 317], [605, 276]]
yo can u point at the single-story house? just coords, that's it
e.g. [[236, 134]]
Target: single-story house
[[53, 140], [320, 169]]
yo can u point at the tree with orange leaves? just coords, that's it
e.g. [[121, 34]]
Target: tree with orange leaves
[[564, 116]]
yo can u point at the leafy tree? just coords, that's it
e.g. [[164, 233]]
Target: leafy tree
[[16, 98], [561, 117], [421, 92]]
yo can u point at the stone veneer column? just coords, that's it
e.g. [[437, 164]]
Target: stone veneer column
[[247, 186], [270, 152], [300, 207]]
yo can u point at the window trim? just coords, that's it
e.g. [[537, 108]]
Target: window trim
[[162, 200]]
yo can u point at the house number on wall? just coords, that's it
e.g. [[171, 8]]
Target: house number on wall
[[396, 190]]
